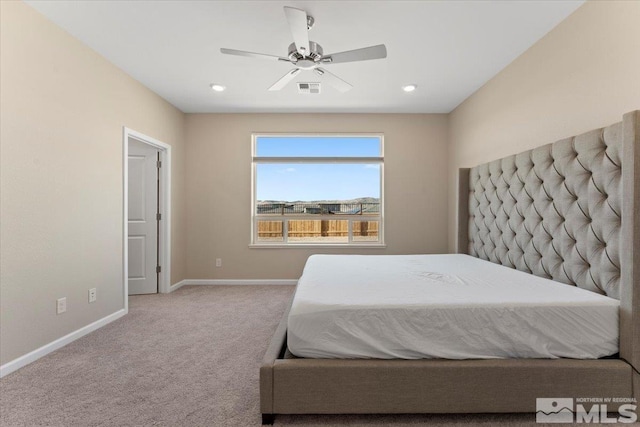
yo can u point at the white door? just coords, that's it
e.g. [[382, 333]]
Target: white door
[[143, 218]]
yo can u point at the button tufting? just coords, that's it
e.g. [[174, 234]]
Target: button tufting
[[525, 239]]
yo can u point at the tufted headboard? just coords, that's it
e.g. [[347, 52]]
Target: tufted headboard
[[554, 211], [568, 211]]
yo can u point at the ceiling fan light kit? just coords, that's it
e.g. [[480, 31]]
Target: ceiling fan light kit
[[307, 55]]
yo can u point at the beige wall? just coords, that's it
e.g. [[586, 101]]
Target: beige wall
[[219, 188], [582, 75], [62, 111]]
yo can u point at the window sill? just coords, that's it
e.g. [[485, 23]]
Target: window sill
[[316, 246]]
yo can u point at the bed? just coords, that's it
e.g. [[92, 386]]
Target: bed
[[411, 306], [562, 214]]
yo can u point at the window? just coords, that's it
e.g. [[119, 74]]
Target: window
[[317, 190]]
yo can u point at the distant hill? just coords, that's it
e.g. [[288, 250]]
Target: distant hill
[[349, 201]]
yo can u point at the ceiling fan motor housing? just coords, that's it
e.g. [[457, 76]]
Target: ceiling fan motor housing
[[314, 54]]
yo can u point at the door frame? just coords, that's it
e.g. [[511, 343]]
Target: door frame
[[164, 235]]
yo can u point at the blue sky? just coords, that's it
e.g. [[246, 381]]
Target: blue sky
[[307, 182], [320, 146]]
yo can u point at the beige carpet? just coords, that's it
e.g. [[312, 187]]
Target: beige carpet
[[189, 358]]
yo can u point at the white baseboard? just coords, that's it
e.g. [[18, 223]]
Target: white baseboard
[[177, 286], [238, 282], [36, 354]]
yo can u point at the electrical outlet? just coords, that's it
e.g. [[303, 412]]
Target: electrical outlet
[[92, 295], [61, 305], [218, 262]]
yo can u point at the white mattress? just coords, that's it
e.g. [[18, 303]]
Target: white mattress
[[443, 306]]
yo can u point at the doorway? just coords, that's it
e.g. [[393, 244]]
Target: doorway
[[146, 214]]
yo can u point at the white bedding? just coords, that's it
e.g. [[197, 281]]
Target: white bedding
[[443, 306]]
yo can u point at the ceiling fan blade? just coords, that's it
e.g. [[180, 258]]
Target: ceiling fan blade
[[285, 79], [333, 80], [298, 23], [253, 54], [364, 54]]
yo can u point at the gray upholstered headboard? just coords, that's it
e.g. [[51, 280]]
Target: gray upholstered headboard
[[554, 211], [568, 211]]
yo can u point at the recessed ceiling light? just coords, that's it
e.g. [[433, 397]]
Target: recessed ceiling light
[[217, 87], [409, 88]]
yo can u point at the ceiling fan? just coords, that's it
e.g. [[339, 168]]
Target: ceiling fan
[[308, 55]]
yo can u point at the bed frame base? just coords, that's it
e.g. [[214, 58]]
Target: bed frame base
[[370, 386]]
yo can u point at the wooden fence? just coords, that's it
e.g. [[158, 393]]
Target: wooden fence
[[317, 228]]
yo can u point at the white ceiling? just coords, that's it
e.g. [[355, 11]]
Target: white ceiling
[[449, 48]]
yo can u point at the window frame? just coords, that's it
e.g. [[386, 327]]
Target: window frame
[[255, 217]]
